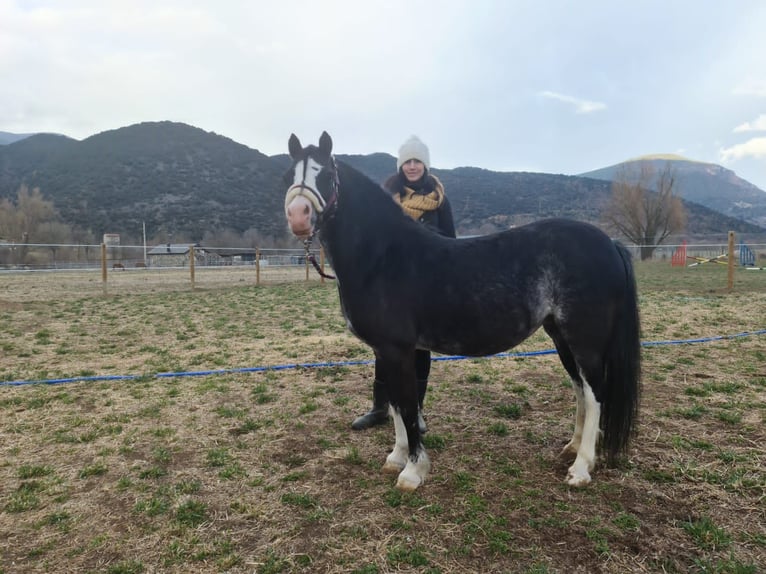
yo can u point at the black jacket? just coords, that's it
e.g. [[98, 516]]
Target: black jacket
[[439, 220]]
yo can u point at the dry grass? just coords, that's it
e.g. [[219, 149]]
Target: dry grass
[[258, 472]]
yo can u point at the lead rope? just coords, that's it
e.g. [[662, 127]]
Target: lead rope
[[310, 256]]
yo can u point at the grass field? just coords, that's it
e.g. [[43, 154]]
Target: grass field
[[259, 471]]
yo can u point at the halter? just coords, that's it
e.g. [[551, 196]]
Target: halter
[[313, 195], [321, 207]]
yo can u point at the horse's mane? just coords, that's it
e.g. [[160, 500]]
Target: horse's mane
[[375, 222], [371, 203]]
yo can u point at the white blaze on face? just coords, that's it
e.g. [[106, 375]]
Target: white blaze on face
[[303, 199], [310, 170]]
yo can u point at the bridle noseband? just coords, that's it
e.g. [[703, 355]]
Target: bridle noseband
[[313, 195]]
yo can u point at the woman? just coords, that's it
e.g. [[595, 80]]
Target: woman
[[422, 197]]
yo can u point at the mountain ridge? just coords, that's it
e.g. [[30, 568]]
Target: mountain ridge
[[708, 184], [183, 181]]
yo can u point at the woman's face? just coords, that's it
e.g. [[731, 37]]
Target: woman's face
[[413, 169]]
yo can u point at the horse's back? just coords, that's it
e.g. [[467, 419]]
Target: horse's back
[[559, 251]]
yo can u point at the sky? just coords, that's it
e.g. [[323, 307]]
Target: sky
[[551, 86]]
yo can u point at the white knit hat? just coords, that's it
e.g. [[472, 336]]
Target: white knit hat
[[413, 148]]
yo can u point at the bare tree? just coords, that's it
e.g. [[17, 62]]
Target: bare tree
[[55, 234], [86, 240], [33, 210], [26, 220], [644, 207], [9, 225]]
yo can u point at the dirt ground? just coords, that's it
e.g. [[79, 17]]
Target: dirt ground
[[259, 472]]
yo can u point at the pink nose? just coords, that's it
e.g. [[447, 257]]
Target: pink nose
[[299, 214]]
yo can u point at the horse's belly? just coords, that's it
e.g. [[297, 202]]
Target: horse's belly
[[475, 344]]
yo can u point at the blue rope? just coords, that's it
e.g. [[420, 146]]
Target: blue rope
[[343, 364]]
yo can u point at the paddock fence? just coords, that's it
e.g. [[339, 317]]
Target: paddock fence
[[704, 250], [80, 269], [98, 269]]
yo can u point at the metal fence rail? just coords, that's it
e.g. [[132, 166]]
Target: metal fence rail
[[83, 270], [702, 250], [41, 256], [80, 270]]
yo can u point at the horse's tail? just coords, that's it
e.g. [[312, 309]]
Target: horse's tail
[[623, 369]]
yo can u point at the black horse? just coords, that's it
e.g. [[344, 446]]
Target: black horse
[[403, 287]]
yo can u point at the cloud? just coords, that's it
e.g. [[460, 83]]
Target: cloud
[[751, 88], [757, 125], [581, 106], [755, 147]]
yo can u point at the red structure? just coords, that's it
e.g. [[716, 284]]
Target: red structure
[[679, 256]]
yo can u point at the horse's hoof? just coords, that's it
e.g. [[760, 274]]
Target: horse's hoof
[[408, 483], [392, 467], [577, 480], [414, 474]]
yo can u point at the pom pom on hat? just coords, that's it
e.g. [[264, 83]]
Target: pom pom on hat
[[413, 148]]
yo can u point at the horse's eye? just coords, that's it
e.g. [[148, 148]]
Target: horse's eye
[[323, 179]]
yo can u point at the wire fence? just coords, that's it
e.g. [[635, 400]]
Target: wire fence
[[83, 270], [97, 269], [46, 256], [695, 251]]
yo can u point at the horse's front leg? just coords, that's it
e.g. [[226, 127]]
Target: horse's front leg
[[408, 458], [397, 460]]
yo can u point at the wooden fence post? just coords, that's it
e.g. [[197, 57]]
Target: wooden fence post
[[257, 265], [730, 259], [103, 266], [321, 262], [191, 264]]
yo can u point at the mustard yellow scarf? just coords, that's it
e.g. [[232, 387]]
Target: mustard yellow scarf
[[415, 204]]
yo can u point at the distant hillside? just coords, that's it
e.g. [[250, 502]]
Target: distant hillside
[[705, 183], [183, 182], [8, 138], [485, 201], [176, 178]]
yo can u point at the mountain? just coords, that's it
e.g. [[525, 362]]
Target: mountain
[[485, 201], [182, 181], [176, 178], [8, 137], [708, 184]]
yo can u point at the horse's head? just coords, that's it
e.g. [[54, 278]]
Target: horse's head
[[312, 185]]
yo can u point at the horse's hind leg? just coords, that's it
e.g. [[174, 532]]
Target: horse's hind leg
[[570, 449], [579, 473], [582, 446], [567, 359]]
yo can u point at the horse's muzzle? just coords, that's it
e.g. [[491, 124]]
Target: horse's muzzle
[[300, 217]]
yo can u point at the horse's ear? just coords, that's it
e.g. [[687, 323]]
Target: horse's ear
[[295, 147], [325, 143]]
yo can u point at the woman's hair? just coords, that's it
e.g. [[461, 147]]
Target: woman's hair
[[397, 183]]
